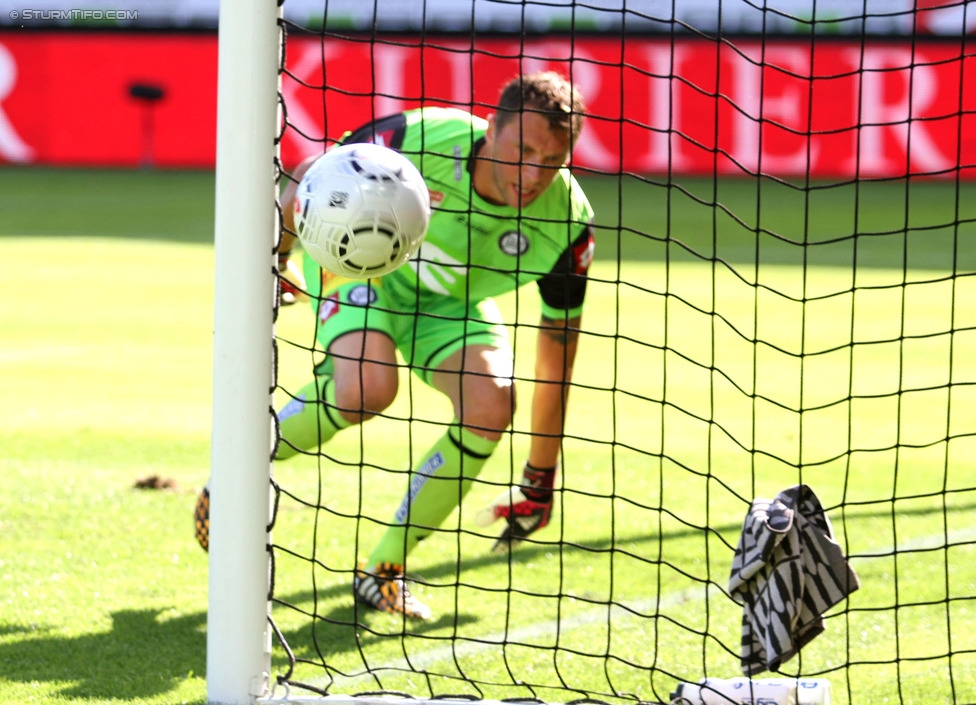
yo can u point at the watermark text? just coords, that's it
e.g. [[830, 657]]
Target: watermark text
[[28, 15]]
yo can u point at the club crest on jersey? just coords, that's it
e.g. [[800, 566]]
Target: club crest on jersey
[[513, 243], [362, 295]]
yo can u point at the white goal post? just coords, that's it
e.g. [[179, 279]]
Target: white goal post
[[246, 229]]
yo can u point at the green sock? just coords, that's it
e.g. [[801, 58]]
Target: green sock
[[310, 419], [434, 492]]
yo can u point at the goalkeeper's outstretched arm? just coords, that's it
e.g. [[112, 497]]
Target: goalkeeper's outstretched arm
[[555, 355], [291, 281], [527, 506]]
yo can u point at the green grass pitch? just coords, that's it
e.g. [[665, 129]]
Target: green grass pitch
[[106, 329]]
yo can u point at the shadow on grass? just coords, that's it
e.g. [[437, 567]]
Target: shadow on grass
[[143, 656], [345, 629], [140, 657], [159, 204], [922, 224]]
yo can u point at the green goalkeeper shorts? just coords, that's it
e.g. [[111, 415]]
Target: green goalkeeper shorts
[[426, 330]]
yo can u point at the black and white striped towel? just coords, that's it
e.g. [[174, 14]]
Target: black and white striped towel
[[787, 571]]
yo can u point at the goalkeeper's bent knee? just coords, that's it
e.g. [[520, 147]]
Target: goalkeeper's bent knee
[[309, 420]]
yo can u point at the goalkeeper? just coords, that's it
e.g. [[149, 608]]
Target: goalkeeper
[[506, 212]]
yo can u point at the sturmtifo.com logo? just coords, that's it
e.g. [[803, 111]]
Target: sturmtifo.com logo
[[28, 15]]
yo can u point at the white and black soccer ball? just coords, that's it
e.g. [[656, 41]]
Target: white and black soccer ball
[[362, 210]]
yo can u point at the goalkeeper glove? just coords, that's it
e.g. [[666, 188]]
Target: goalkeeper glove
[[525, 508], [291, 281]]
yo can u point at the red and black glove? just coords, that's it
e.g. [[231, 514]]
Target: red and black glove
[[290, 280], [526, 508]]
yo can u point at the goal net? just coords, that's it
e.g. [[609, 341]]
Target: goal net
[[783, 294]]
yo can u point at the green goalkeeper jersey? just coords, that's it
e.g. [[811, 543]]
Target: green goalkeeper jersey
[[475, 249]]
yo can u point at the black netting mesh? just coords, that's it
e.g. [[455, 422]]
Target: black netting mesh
[[783, 294]]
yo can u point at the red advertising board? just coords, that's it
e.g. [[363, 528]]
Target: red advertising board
[[832, 108], [65, 98]]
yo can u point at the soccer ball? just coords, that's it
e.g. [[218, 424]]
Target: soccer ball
[[362, 210]]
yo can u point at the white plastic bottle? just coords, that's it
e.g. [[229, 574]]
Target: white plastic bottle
[[809, 691], [746, 691]]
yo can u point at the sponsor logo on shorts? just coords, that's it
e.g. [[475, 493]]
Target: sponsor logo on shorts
[[417, 483], [513, 243], [328, 308], [362, 295]]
